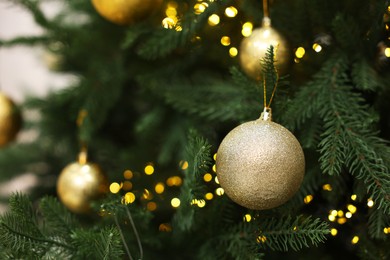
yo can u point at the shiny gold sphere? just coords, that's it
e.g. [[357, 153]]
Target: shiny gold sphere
[[10, 120], [254, 48], [260, 164], [125, 12], [79, 184]]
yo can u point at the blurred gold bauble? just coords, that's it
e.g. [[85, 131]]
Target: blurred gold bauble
[[125, 12], [79, 184], [260, 164], [10, 120], [254, 48]]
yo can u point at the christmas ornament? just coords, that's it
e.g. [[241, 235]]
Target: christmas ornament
[[254, 48], [260, 164], [80, 183], [10, 120], [125, 12]]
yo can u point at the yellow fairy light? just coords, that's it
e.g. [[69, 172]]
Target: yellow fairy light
[[333, 213], [147, 194], [308, 199], [172, 4], [348, 215], [233, 52], [331, 218], [247, 29], [200, 7], [355, 240], [115, 187], [333, 232], [214, 168], [231, 11], [370, 203], [128, 198], [387, 52], [387, 27], [213, 20], [151, 206], [219, 191], [215, 156], [207, 177], [183, 165], [201, 203], [128, 174], [261, 239], [386, 230], [247, 218], [159, 188], [127, 185], [216, 180], [209, 196], [149, 169], [174, 181], [341, 221], [165, 227], [340, 213], [175, 202], [327, 187], [351, 208], [225, 40], [317, 47], [295, 228], [353, 197], [300, 52], [171, 11]]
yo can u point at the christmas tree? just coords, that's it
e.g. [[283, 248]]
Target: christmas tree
[[160, 84]]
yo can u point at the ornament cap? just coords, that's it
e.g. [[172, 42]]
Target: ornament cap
[[266, 22], [266, 115], [83, 155]]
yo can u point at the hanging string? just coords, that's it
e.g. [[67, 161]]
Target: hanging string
[[265, 8], [123, 238], [141, 252], [273, 90]]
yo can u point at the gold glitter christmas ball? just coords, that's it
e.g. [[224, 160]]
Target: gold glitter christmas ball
[[10, 120], [125, 12], [254, 48], [79, 184], [260, 164]]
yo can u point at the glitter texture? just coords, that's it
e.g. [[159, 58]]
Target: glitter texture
[[260, 164]]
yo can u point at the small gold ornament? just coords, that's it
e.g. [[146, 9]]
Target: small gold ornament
[[260, 164], [10, 120], [254, 48], [80, 183], [125, 12]]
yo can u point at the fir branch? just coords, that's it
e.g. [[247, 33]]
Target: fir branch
[[33, 7], [288, 233], [25, 40], [377, 221], [365, 77]]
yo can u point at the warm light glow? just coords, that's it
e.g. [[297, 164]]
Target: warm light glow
[[175, 202], [168, 23], [333, 232], [183, 165], [207, 177], [159, 188], [216, 180], [353, 197], [331, 218], [300, 52], [308, 199], [200, 7], [247, 218], [333, 213], [213, 20], [128, 198], [233, 52], [219, 191], [370, 203], [149, 169], [201, 203], [317, 47], [340, 213], [387, 27], [231, 11], [151, 206], [261, 239], [174, 181], [247, 29], [165, 227], [115, 187], [351, 208], [215, 156], [209, 196], [327, 187], [170, 11], [355, 240], [386, 230], [348, 215], [214, 168], [127, 185], [225, 40], [341, 221], [128, 174], [147, 194], [387, 52]]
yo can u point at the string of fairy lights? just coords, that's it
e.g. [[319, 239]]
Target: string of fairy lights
[[172, 21]]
